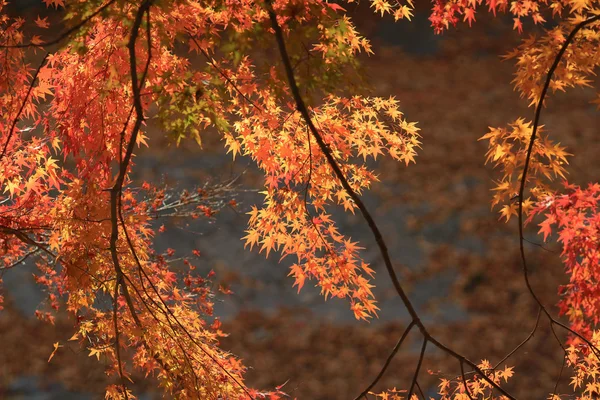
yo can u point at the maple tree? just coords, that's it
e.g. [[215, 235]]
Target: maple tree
[[72, 121]]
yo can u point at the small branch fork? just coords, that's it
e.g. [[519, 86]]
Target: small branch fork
[[415, 320]]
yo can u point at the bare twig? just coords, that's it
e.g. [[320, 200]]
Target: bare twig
[[23, 104], [464, 379], [416, 376], [20, 260], [388, 361], [527, 339], [63, 35], [562, 367], [420, 390]]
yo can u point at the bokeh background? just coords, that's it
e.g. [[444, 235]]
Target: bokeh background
[[459, 262]]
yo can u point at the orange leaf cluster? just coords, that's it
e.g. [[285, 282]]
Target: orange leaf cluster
[[300, 185], [508, 150], [473, 386], [575, 217]]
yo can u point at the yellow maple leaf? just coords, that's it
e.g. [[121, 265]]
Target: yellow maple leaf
[[95, 352], [56, 347]]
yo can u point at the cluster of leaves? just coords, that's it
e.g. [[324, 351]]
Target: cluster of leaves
[[463, 388], [574, 216], [300, 183], [576, 68], [467, 386], [508, 151], [585, 363]]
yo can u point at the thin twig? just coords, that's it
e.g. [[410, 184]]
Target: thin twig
[[416, 376], [527, 339], [63, 35], [562, 367], [20, 260], [387, 361], [23, 104], [464, 379], [420, 390], [224, 75]]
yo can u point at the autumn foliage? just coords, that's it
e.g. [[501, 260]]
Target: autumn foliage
[[74, 109]]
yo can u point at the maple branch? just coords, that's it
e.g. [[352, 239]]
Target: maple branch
[[154, 303], [532, 139], [115, 193], [168, 313], [302, 108], [137, 99], [416, 376], [527, 339], [562, 367], [116, 345], [388, 361], [224, 75], [464, 379], [157, 306], [20, 260], [43, 248], [557, 338], [116, 212], [63, 35], [139, 324], [330, 251], [23, 237], [420, 390], [214, 197], [541, 246], [23, 104]]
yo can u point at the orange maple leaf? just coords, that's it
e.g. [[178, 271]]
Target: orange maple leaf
[[42, 22]]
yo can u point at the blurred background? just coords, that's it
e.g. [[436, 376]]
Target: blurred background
[[459, 262]]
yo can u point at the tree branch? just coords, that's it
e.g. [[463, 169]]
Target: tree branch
[[532, 139], [63, 35], [388, 361], [115, 193], [416, 376], [302, 108], [23, 104]]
